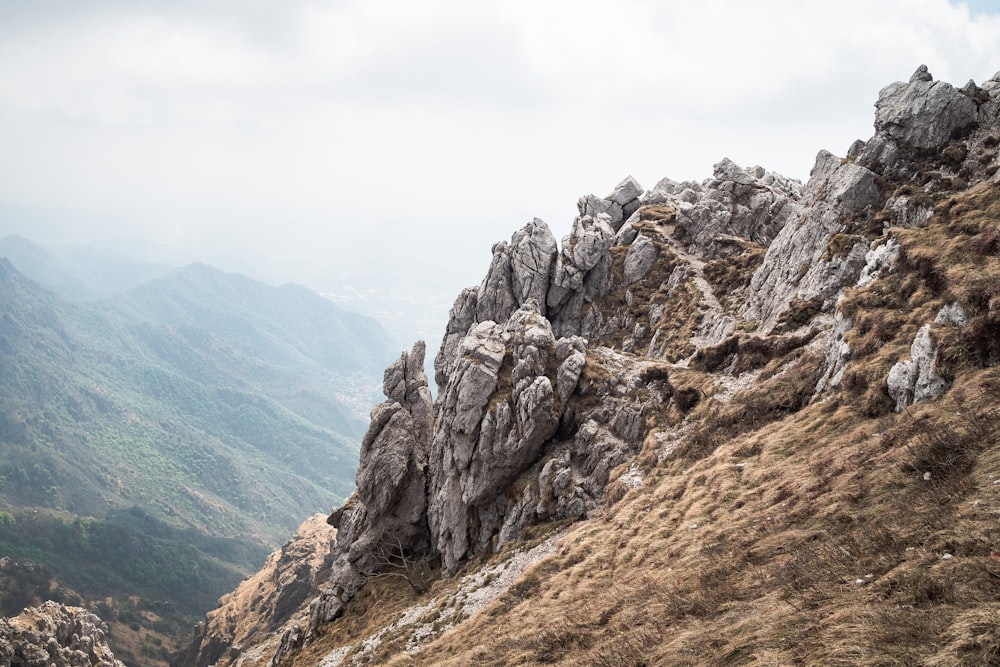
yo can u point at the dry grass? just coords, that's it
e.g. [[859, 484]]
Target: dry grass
[[730, 276]]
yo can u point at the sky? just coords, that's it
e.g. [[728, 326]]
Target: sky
[[380, 147]]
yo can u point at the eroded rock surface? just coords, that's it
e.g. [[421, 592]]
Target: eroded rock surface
[[54, 635]]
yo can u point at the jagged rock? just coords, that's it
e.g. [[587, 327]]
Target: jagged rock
[[582, 250], [519, 271], [479, 448], [533, 251], [794, 265], [921, 75], [54, 635], [916, 379], [264, 602], [753, 204], [879, 258], [461, 317], [923, 113], [520, 433], [496, 293], [626, 194], [952, 314], [568, 375], [838, 353], [617, 206]]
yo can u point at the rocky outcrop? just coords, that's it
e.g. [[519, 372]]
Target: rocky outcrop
[[797, 264], [54, 635], [752, 204], [916, 379], [265, 602]]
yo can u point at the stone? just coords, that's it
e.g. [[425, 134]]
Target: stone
[[533, 252], [881, 257], [952, 314], [496, 300], [924, 114], [837, 354], [639, 260], [795, 265], [568, 375], [921, 75], [916, 379]]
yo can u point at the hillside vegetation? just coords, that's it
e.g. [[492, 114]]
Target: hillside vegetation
[[161, 456]]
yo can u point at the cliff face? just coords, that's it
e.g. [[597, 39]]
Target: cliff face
[[667, 323]]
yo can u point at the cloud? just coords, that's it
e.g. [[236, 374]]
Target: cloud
[[327, 127]]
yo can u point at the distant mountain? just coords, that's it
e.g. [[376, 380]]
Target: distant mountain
[[206, 401], [286, 326], [80, 272]]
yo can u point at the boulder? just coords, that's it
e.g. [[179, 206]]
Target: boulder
[[923, 113], [916, 379]]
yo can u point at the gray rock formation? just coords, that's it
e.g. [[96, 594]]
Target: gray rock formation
[[752, 204], [916, 379], [795, 265], [54, 635], [488, 434], [642, 254], [880, 258], [923, 113], [385, 519]]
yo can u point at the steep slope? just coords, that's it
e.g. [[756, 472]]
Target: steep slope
[[767, 410]]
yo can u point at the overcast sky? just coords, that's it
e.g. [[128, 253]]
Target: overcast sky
[[326, 142]]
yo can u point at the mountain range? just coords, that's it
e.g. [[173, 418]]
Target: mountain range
[[197, 417]]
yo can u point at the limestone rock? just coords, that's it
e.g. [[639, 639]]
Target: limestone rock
[[461, 317], [641, 256], [54, 635], [533, 251], [496, 299], [488, 434], [268, 599], [916, 379], [617, 206], [794, 265], [838, 353], [923, 113], [753, 204], [568, 375]]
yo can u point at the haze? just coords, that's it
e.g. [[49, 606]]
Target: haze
[[374, 150]]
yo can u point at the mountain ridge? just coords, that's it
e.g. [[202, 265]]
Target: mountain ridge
[[689, 379]]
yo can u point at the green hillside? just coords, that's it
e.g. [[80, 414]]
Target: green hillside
[[205, 403]]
